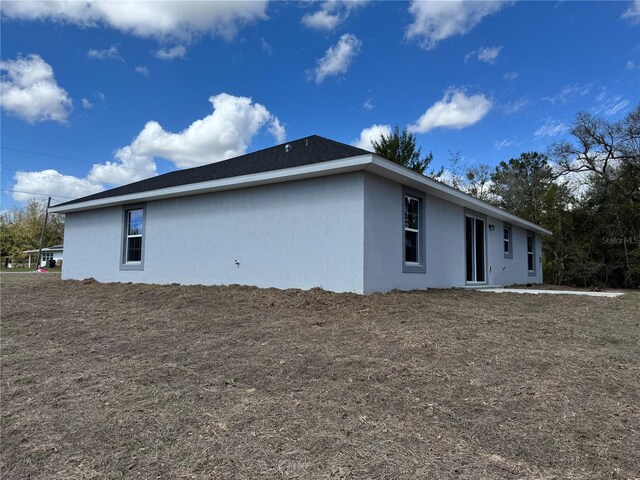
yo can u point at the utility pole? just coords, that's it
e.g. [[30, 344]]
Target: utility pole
[[44, 227]]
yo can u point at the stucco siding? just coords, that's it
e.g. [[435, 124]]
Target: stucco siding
[[445, 244], [301, 234], [510, 271], [384, 240], [343, 233], [92, 243]]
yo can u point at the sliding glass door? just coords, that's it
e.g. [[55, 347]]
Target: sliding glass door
[[475, 249]]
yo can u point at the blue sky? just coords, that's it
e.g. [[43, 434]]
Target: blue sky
[[111, 93]]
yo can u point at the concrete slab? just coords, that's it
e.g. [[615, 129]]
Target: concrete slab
[[552, 292]]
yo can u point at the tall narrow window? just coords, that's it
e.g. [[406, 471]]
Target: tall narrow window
[[531, 264], [134, 231], [411, 229], [507, 243], [413, 237]]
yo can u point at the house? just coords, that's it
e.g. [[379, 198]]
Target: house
[[53, 252], [311, 213]]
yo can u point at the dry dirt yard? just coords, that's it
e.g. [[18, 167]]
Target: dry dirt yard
[[135, 381]]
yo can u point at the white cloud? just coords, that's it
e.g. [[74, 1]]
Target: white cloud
[[179, 51], [485, 54], [266, 47], [455, 110], [29, 90], [618, 104], [633, 12], [331, 14], [609, 104], [630, 65], [142, 70], [569, 92], [551, 128], [489, 54], [371, 133], [86, 104], [162, 20], [502, 144], [510, 76], [321, 20], [368, 104], [127, 167], [614, 105], [101, 96], [337, 58], [436, 21], [225, 133], [110, 53], [51, 182], [515, 106]]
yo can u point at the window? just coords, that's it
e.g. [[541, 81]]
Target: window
[[132, 257], [46, 256], [411, 229], [531, 256], [507, 243], [413, 253]]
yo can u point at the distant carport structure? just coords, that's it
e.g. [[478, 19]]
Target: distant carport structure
[[53, 252]]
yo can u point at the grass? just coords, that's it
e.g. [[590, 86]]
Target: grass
[[122, 380]]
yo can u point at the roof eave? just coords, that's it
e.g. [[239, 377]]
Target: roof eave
[[385, 168], [331, 167], [369, 162]]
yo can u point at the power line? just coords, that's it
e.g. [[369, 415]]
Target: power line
[[57, 176], [70, 158], [35, 193]]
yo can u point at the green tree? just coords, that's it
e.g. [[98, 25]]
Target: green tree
[[604, 158], [20, 229], [520, 185], [400, 147], [525, 186]]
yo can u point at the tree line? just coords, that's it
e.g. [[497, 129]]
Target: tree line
[[20, 230], [585, 189]]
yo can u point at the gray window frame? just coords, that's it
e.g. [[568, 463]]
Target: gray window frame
[[124, 265], [532, 273], [421, 265], [508, 226]]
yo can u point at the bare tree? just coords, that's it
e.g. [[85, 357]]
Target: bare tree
[[605, 151], [598, 146]]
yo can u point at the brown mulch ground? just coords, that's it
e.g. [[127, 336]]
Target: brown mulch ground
[[145, 381]]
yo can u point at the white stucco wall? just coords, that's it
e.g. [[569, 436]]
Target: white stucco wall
[[300, 234], [445, 244], [384, 240], [342, 233], [510, 271]]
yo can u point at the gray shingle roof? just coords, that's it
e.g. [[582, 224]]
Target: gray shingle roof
[[304, 151]]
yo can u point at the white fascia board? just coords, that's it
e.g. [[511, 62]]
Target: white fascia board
[[393, 171], [371, 163], [331, 167]]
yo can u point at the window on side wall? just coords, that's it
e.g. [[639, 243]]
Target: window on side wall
[[413, 234], [507, 240], [531, 255], [133, 241]]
